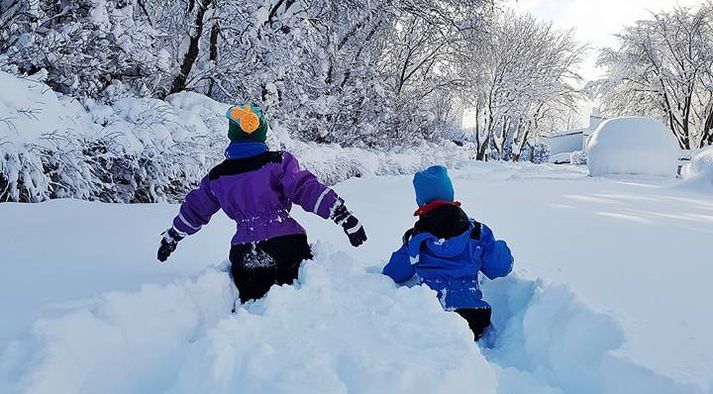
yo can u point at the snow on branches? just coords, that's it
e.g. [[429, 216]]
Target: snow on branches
[[353, 72], [663, 68], [522, 80], [150, 150], [362, 73]]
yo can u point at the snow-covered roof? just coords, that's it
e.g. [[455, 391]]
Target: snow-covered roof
[[555, 134]]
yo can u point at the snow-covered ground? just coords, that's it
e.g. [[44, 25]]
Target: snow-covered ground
[[610, 295]]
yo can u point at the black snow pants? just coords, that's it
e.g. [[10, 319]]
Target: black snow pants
[[255, 267], [478, 319]]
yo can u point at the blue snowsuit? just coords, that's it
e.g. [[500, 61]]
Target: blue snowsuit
[[450, 266]]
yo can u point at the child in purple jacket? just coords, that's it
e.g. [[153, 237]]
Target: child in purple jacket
[[256, 188]]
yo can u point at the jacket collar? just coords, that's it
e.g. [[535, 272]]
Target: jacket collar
[[244, 149], [433, 205]]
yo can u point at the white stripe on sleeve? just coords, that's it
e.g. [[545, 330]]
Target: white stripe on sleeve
[[183, 219], [319, 200]]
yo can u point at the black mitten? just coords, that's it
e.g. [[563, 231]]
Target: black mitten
[[350, 224], [168, 243]]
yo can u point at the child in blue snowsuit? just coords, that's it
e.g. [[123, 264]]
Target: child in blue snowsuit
[[447, 249]]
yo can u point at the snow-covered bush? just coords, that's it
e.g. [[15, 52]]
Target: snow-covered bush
[[632, 145], [21, 176], [700, 170], [33, 119], [148, 150], [332, 163], [578, 157], [538, 153], [541, 153], [139, 150]]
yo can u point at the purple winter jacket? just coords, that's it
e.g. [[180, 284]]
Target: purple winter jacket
[[257, 192]]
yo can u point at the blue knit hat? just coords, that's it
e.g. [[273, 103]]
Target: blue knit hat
[[433, 184]]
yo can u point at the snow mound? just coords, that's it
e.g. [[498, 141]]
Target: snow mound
[[699, 172], [631, 145], [341, 329], [344, 330]]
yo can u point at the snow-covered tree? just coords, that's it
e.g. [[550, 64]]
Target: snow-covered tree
[[87, 47], [521, 80], [663, 68], [421, 60], [355, 72]]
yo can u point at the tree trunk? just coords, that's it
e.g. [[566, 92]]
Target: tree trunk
[[687, 102], [179, 83], [707, 136], [482, 152], [214, 33], [503, 139], [483, 149], [523, 143], [477, 132]]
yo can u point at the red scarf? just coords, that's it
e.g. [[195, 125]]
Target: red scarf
[[433, 205]]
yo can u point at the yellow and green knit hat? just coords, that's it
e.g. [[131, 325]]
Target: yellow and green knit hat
[[247, 123]]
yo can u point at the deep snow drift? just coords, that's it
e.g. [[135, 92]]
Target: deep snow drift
[[601, 322], [341, 329], [631, 145]]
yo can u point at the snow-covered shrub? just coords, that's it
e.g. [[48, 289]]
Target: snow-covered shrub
[[139, 150], [32, 120], [700, 170], [541, 153], [578, 157], [148, 150], [332, 163], [632, 145], [538, 153], [101, 169], [22, 176]]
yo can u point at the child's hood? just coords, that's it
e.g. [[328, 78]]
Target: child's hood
[[447, 248]]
